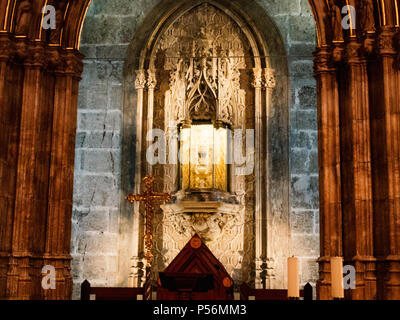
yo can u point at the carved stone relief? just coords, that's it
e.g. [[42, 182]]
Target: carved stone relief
[[201, 68]]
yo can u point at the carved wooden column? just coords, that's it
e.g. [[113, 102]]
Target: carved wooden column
[[386, 149], [329, 172], [32, 180], [357, 207], [58, 234], [11, 78]]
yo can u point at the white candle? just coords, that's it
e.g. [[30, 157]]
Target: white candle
[[337, 277], [293, 278]]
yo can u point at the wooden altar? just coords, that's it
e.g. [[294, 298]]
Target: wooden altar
[[195, 274]]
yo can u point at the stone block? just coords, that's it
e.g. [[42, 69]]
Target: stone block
[[281, 7], [93, 243], [97, 98], [316, 223], [313, 166], [94, 268], [117, 72], [112, 52], [102, 121], [305, 9], [298, 161], [117, 95], [305, 245], [302, 222], [97, 140], [301, 69], [300, 139], [304, 192], [307, 97], [99, 161], [301, 28], [114, 8], [95, 220], [113, 220], [301, 51], [309, 271], [96, 191], [303, 120]]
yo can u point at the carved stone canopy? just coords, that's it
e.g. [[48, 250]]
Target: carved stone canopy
[[204, 52]]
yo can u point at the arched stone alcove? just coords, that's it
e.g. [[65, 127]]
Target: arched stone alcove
[[259, 234]]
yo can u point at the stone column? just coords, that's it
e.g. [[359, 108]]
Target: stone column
[[270, 84], [137, 225], [329, 168], [151, 85], [259, 170], [357, 203]]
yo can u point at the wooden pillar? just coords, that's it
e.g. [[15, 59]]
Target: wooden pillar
[[11, 78], [58, 227], [39, 108], [329, 172], [385, 93], [32, 176], [357, 206]]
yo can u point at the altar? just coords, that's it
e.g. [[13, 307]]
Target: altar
[[195, 274]]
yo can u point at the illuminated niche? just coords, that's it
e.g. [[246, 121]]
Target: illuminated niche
[[204, 156]]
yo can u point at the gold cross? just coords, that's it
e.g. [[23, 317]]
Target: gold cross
[[148, 197]]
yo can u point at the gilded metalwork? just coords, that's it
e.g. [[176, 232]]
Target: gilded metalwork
[[148, 197]]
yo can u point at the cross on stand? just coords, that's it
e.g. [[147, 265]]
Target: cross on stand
[[148, 197]]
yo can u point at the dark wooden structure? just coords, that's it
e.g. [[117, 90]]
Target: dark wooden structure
[[100, 293], [195, 274]]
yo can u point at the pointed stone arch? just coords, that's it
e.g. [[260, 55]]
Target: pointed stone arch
[[269, 86]]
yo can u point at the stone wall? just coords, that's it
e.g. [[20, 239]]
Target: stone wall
[[108, 30]]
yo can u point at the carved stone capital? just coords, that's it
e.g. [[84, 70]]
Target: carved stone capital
[[152, 79], [140, 82], [257, 78], [270, 81]]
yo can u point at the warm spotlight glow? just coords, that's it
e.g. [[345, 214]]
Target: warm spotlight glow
[[204, 151]]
